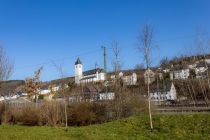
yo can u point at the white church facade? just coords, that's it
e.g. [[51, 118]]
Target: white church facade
[[90, 76]]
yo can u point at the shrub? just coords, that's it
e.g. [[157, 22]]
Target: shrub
[[81, 114], [51, 113], [2, 110], [8, 114], [40, 97], [29, 115]]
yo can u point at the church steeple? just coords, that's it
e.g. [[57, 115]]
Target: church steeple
[[78, 71], [78, 61]]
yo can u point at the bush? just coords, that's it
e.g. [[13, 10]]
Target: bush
[[79, 114], [2, 110], [127, 104], [8, 114], [40, 97], [51, 113], [29, 115]]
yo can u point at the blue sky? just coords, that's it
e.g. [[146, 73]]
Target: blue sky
[[35, 32]]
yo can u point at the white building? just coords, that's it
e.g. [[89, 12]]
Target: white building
[[181, 74], [50, 89], [10, 97], [95, 75], [167, 93], [44, 91], [106, 96], [149, 75], [192, 66], [201, 69], [1, 98], [129, 78], [207, 61], [91, 97]]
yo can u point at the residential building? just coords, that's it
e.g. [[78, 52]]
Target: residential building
[[1, 98], [165, 93], [171, 74], [106, 96], [201, 69], [160, 75], [181, 74], [91, 93], [128, 78], [151, 75]]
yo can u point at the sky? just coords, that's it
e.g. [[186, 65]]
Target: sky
[[37, 33]]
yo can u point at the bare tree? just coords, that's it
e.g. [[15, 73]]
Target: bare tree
[[6, 67], [201, 42], [59, 68], [139, 66], [164, 62], [145, 46], [202, 48], [116, 64]]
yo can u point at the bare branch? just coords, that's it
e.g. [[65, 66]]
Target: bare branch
[[59, 68], [6, 66], [116, 60], [145, 42]]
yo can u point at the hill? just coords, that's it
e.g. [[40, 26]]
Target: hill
[[7, 87], [188, 126], [182, 61]]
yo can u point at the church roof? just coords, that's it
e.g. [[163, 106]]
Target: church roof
[[78, 61], [90, 72]]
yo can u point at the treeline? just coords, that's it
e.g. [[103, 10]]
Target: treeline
[[182, 60]]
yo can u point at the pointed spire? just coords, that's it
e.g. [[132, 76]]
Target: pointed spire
[[78, 61]]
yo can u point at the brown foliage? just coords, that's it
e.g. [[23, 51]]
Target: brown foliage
[[50, 113], [79, 114], [29, 115], [2, 110]]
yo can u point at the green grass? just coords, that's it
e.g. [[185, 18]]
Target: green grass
[[188, 126]]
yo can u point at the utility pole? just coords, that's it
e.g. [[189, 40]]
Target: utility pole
[[105, 65], [105, 69]]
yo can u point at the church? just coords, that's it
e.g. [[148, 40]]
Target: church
[[90, 76]]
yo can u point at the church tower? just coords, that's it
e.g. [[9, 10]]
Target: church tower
[[78, 71]]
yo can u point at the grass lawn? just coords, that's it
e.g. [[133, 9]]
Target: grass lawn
[[188, 126]]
